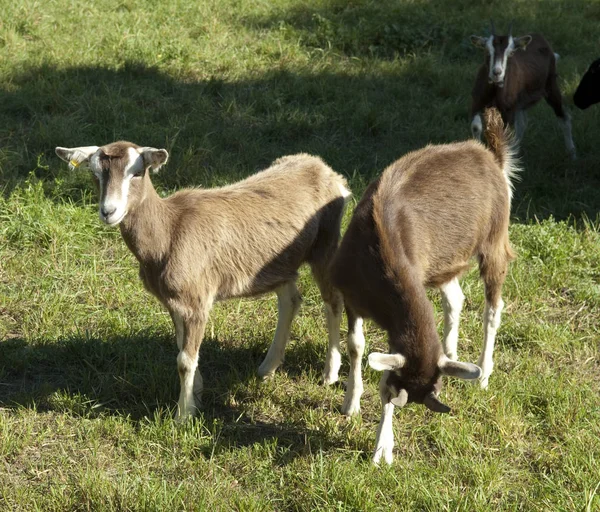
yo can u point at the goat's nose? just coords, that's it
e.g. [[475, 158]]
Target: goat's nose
[[107, 211], [497, 71]]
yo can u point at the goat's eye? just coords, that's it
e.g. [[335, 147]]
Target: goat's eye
[[138, 174]]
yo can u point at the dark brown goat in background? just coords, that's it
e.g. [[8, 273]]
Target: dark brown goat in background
[[417, 226], [516, 74]]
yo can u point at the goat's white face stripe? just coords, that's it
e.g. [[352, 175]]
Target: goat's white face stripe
[[490, 49], [497, 66], [116, 204]]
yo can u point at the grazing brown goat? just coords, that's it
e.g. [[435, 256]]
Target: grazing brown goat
[[417, 226]]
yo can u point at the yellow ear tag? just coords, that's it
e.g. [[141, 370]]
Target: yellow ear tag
[[74, 163]]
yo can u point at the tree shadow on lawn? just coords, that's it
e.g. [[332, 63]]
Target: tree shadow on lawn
[[218, 131], [137, 377]]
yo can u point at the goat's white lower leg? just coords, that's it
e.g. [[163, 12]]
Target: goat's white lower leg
[[384, 444], [288, 303], [452, 303], [198, 381], [333, 361], [568, 135], [356, 348], [477, 126], [491, 323], [189, 326], [520, 124], [187, 367]]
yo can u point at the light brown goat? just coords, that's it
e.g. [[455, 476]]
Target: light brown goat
[[417, 226], [199, 246]]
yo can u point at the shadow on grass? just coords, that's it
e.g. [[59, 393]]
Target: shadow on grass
[[387, 28], [136, 377], [218, 131]]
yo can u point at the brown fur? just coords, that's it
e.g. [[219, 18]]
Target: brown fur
[[417, 226]]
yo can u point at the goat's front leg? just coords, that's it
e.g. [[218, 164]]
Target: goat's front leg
[[452, 303], [356, 348], [190, 331], [384, 443]]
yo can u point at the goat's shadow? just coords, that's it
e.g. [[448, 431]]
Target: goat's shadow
[[136, 377], [218, 131]]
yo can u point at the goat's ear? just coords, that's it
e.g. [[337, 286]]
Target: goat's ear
[[382, 362], [433, 404], [76, 156], [154, 158], [521, 42], [478, 41], [401, 399], [458, 369]]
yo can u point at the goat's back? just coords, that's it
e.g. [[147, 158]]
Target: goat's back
[[441, 206], [531, 68], [251, 236]]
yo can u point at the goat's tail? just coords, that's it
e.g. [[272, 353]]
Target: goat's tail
[[503, 145]]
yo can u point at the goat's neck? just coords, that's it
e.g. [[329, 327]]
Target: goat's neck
[[146, 228], [414, 333]]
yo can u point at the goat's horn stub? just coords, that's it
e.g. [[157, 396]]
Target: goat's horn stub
[[433, 404], [401, 399], [493, 28]]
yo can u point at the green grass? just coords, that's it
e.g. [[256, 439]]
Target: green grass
[[88, 381]]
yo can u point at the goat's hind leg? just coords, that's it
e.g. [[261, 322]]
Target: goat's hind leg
[[452, 303], [493, 272], [520, 124], [554, 99], [288, 304], [333, 315]]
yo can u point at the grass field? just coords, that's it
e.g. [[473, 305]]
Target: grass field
[[88, 380]]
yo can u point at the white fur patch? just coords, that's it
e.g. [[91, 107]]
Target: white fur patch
[[477, 126], [384, 444], [498, 63], [354, 390], [491, 323], [511, 168], [333, 360], [386, 362], [452, 302], [118, 204], [187, 372], [344, 191]]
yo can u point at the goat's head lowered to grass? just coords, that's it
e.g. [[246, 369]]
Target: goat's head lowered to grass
[[404, 385], [499, 49], [120, 170]]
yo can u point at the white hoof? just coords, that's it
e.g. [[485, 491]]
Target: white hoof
[[266, 370]]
